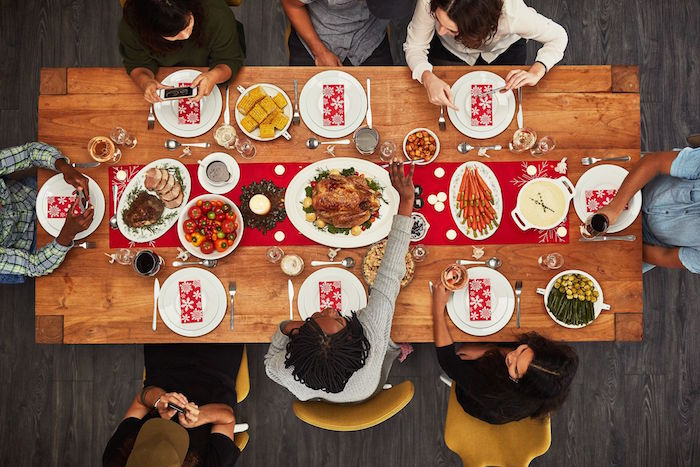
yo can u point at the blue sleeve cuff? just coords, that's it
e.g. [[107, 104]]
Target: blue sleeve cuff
[[690, 258], [687, 164]]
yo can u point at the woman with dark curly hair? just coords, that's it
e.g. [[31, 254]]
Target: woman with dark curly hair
[[479, 32], [347, 359], [193, 33], [504, 384]]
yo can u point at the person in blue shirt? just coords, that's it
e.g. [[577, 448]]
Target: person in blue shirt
[[670, 184]]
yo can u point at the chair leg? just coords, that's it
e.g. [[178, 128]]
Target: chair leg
[[445, 379]]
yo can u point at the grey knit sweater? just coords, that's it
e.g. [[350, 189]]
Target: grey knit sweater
[[375, 318]]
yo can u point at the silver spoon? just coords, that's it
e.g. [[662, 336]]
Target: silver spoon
[[313, 143], [210, 263], [113, 220], [465, 147], [172, 144], [347, 262], [493, 263]]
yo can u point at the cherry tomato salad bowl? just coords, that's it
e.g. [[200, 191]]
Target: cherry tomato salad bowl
[[210, 226]]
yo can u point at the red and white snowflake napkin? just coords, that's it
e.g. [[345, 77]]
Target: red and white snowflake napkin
[[57, 206], [190, 301], [330, 293], [333, 104], [188, 112], [479, 299], [482, 107], [596, 199]]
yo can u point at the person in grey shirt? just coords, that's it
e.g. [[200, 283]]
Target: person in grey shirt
[[341, 359], [341, 32]]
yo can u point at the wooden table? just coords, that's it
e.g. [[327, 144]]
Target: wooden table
[[589, 110]]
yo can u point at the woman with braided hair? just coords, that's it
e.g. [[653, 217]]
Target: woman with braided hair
[[498, 385], [341, 359]]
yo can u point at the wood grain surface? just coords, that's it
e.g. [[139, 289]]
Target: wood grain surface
[[103, 303]]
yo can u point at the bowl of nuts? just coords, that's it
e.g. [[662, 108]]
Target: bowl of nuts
[[421, 145]]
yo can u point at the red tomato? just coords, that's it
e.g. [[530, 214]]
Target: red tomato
[[206, 206], [228, 226], [220, 216], [207, 246], [195, 212], [189, 226]]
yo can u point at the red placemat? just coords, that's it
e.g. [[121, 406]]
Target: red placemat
[[512, 176]]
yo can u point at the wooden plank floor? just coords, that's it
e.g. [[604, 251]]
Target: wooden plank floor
[[632, 404]]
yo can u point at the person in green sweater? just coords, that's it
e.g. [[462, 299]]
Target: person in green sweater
[[194, 33]]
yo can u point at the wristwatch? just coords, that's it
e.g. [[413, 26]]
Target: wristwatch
[[155, 406]]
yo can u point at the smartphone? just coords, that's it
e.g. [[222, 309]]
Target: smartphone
[[177, 93], [176, 408], [82, 200]]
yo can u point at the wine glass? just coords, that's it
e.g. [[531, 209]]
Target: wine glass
[[419, 252], [545, 145], [120, 136], [386, 151], [245, 147], [274, 254], [551, 261]]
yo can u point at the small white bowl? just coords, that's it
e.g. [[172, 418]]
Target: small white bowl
[[196, 251], [437, 146]]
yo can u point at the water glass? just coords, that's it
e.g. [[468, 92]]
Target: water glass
[[419, 252], [274, 254], [124, 256], [386, 151], [120, 136], [551, 261], [245, 147], [545, 145]]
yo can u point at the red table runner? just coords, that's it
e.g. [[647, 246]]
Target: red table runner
[[511, 175]]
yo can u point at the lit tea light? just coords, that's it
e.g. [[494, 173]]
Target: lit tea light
[[279, 236], [439, 172], [561, 231], [259, 204], [279, 169], [121, 175], [531, 170], [451, 234]]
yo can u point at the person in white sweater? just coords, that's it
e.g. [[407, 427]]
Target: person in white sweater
[[479, 32], [339, 359]]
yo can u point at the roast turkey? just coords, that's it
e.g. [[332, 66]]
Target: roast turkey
[[344, 201]]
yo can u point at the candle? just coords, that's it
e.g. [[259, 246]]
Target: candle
[[259, 204]]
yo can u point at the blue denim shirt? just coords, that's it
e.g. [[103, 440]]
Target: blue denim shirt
[[671, 209]]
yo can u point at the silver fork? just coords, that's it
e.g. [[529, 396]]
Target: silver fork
[[151, 118], [441, 120], [87, 245], [296, 118], [518, 291], [593, 160], [232, 293]]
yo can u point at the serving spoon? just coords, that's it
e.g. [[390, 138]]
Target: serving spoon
[[210, 263], [113, 220], [347, 262], [172, 144], [465, 147], [493, 263], [313, 143]]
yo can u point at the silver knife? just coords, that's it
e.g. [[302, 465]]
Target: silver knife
[[156, 291], [488, 93], [85, 165], [603, 238], [520, 108], [232, 293], [290, 289]]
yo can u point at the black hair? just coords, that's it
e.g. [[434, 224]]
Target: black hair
[[541, 390], [326, 362], [155, 19], [477, 20]]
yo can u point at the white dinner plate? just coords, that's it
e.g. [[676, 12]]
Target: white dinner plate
[[311, 103], [354, 297], [214, 302], [210, 110], [57, 186], [295, 195], [491, 181], [169, 216], [503, 108], [233, 169], [271, 91], [502, 299], [606, 177], [598, 306]]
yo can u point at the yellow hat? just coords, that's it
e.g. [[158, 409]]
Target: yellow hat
[[160, 443]]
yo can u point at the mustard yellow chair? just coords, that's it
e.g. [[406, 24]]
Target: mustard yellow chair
[[230, 2], [480, 444], [354, 417], [243, 378]]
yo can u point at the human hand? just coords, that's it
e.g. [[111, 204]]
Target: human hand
[[150, 91], [75, 223], [327, 58], [611, 211], [518, 78], [191, 418], [440, 297], [205, 83], [439, 92], [73, 177], [404, 185], [170, 397]]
